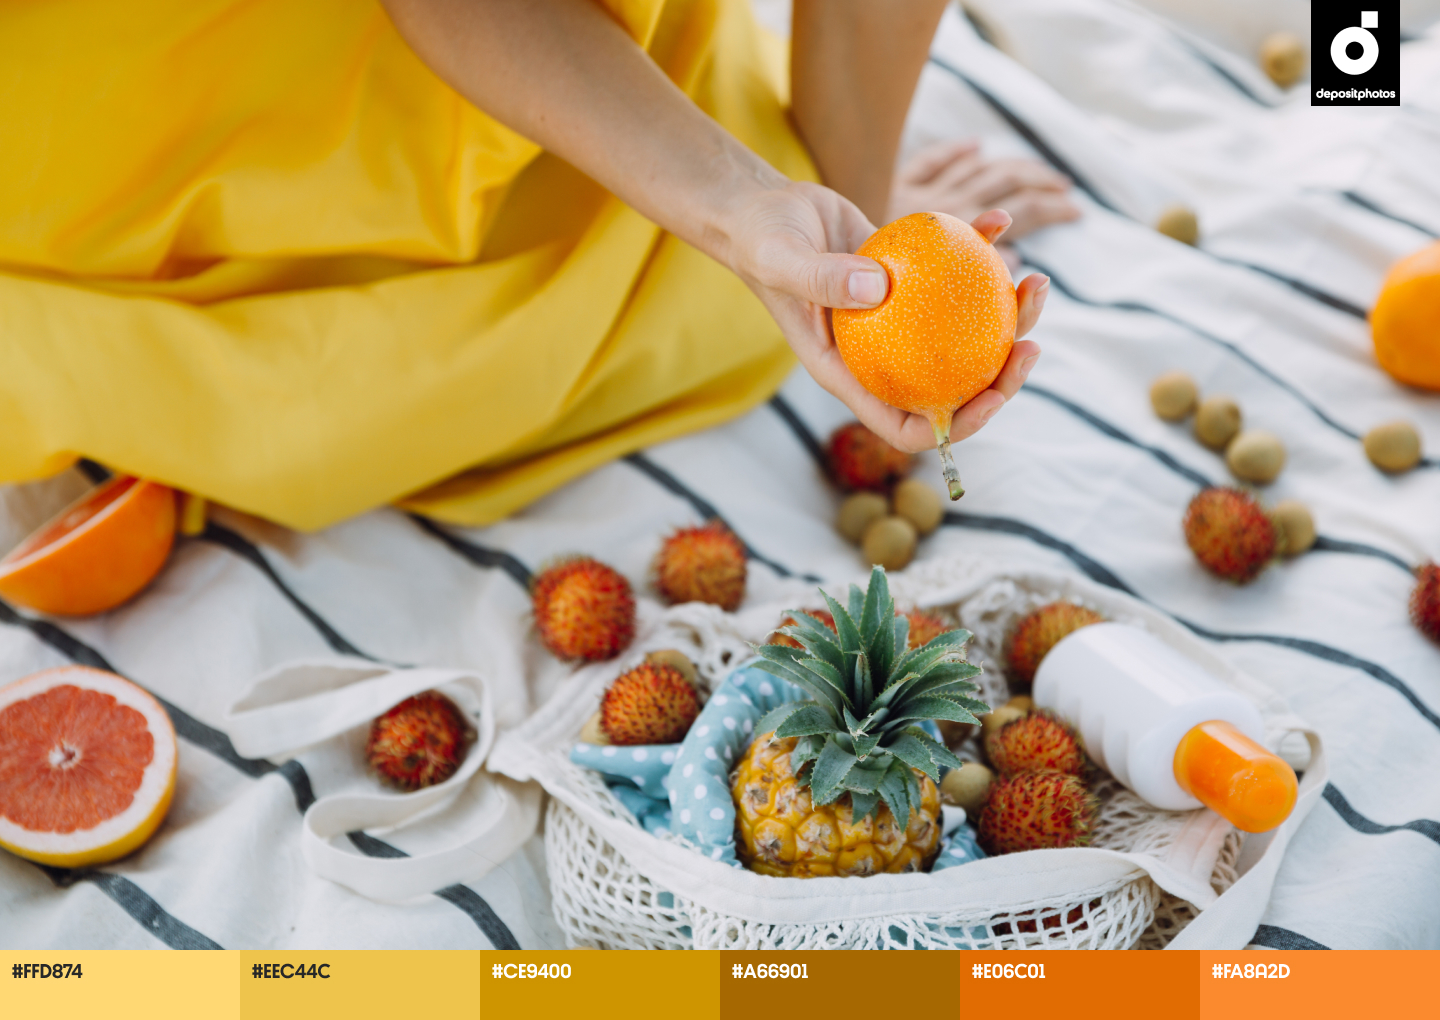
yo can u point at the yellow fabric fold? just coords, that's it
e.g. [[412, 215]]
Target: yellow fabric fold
[[256, 250]]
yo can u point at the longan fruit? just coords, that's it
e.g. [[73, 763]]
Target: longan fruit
[[1174, 395], [1282, 58], [1256, 456], [1393, 447], [890, 542], [1179, 222], [919, 504], [1217, 420], [1295, 527], [858, 512], [967, 787]]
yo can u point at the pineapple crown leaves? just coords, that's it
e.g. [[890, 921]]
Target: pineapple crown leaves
[[868, 689]]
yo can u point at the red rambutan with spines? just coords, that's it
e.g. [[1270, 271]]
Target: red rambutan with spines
[[583, 609], [704, 564], [925, 627], [1033, 743], [859, 459], [1230, 533], [777, 638], [653, 703], [419, 742], [1037, 811], [1040, 631], [1425, 601]]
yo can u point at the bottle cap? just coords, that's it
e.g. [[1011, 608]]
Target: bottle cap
[[1235, 777]]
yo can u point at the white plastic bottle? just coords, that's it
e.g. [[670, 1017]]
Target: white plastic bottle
[[1164, 727]]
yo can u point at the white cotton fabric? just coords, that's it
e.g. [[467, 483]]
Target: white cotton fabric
[[1145, 125]]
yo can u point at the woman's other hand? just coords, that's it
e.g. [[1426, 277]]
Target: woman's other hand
[[793, 246], [952, 177]]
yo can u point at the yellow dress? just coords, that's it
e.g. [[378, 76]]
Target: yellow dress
[[255, 249]]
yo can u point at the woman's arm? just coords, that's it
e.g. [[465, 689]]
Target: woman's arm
[[565, 75], [853, 69]]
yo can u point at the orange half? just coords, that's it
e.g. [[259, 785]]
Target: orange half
[[96, 553], [87, 766]]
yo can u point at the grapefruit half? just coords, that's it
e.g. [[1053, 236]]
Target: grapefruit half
[[96, 553], [87, 766]]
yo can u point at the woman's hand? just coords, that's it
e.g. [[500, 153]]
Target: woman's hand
[[952, 177], [792, 246]]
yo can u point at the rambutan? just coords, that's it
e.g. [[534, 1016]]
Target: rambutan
[[1425, 601], [1037, 811], [776, 638], [1034, 743], [859, 459], [651, 704], [419, 742], [925, 627], [583, 609], [1230, 533], [704, 564], [1041, 631]]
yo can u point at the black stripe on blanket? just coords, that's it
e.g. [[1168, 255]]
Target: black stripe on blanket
[[1322, 542], [466, 899], [247, 550], [1030, 135], [217, 743], [138, 904], [1103, 426], [1097, 572], [705, 509], [1299, 286], [1236, 83], [1424, 826], [1271, 937], [1355, 198], [1135, 306], [1048, 153], [808, 439], [481, 556], [186, 725]]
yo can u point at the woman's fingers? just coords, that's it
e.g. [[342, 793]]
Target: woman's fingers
[[1035, 209], [824, 279], [1017, 368], [1000, 180], [973, 416], [929, 162], [992, 224], [1030, 299]]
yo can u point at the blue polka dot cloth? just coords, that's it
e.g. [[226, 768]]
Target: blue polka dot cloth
[[685, 788]]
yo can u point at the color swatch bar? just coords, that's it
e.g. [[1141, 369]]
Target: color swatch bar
[[286, 985]]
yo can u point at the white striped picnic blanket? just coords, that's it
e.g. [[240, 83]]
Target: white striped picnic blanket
[[1301, 212]]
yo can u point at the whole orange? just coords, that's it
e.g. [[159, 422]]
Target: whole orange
[[945, 328], [1405, 322]]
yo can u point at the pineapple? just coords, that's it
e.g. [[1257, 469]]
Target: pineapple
[[820, 790]]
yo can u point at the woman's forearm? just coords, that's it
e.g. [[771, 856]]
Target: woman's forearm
[[853, 69], [567, 76]]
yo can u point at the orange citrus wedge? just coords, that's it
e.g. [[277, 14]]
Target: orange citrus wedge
[[96, 553], [87, 766]]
